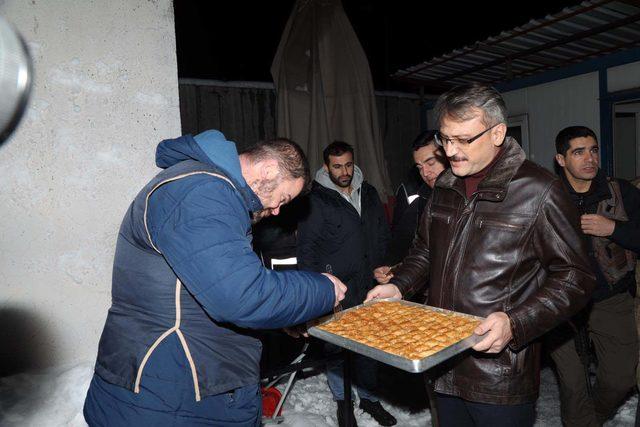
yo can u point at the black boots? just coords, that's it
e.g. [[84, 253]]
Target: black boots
[[374, 409], [378, 413], [342, 407]]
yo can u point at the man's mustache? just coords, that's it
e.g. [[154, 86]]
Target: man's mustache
[[456, 158]]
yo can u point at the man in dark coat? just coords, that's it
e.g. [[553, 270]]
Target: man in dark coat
[[345, 233], [610, 222], [186, 284]]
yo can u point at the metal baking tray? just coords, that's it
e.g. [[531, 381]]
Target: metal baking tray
[[400, 362]]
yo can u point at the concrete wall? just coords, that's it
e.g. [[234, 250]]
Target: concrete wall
[[106, 92]]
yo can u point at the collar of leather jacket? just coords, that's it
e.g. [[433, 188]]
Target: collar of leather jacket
[[424, 191], [495, 185]]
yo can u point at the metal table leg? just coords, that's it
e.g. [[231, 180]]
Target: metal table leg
[[431, 394], [346, 361]]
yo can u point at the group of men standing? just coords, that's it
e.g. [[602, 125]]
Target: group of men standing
[[488, 233]]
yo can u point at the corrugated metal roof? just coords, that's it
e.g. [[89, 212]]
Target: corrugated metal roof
[[591, 29]]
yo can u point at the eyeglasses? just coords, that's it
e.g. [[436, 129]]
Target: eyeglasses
[[442, 140]]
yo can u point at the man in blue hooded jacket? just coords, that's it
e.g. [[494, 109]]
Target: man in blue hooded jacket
[[187, 286]]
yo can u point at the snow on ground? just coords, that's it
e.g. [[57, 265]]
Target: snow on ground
[[54, 398], [50, 398]]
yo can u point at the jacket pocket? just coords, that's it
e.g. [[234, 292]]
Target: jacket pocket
[[512, 363], [441, 216], [494, 223]]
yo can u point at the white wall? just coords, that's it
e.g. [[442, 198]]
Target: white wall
[[106, 92], [552, 107], [623, 77], [627, 141]]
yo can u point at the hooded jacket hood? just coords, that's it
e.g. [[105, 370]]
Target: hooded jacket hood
[[212, 148], [323, 178]]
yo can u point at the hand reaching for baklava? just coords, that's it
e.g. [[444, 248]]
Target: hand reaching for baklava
[[384, 291], [383, 274]]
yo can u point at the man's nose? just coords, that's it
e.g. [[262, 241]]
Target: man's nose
[[450, 149]]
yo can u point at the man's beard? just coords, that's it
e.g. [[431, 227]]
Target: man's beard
[[258, 216], [339, 183]]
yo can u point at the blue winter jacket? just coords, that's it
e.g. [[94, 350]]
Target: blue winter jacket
[[184, 268]]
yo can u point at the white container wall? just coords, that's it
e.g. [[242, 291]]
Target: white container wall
[[623, 77], [550, 107]]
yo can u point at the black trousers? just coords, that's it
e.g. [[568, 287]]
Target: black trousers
[[456, 412], [612, 329]]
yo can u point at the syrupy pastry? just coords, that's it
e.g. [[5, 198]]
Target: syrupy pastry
[[409, 331]]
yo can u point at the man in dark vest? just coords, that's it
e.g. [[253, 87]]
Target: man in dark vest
[[610, 222], [345, 233], [176, 349]]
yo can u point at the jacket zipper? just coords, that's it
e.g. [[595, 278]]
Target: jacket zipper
[[452, 241], [470, 213], [465, 211]]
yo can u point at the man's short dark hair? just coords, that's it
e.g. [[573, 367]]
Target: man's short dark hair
[[336, 148], [292, 161], [564, 137], [425, 138], [461, 101]]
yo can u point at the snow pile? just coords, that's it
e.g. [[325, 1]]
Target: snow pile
[[310, 404], [50, 398], [55, 398]]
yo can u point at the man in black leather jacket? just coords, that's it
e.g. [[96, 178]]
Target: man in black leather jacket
[[498, 239]]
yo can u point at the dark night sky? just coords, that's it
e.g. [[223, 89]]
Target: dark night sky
[[236, 40]]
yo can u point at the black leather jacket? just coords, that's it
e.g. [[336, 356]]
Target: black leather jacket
[[513, 247]]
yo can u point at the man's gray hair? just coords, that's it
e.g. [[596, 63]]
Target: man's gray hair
[[461, 101], [292, 161]]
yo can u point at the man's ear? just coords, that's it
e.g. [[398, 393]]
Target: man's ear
[[498, 133], [325, 167], [560, 159]]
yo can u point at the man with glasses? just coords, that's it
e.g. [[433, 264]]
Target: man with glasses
[[498, 239]]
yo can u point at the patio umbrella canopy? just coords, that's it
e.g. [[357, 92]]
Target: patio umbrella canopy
[[324, 88]]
